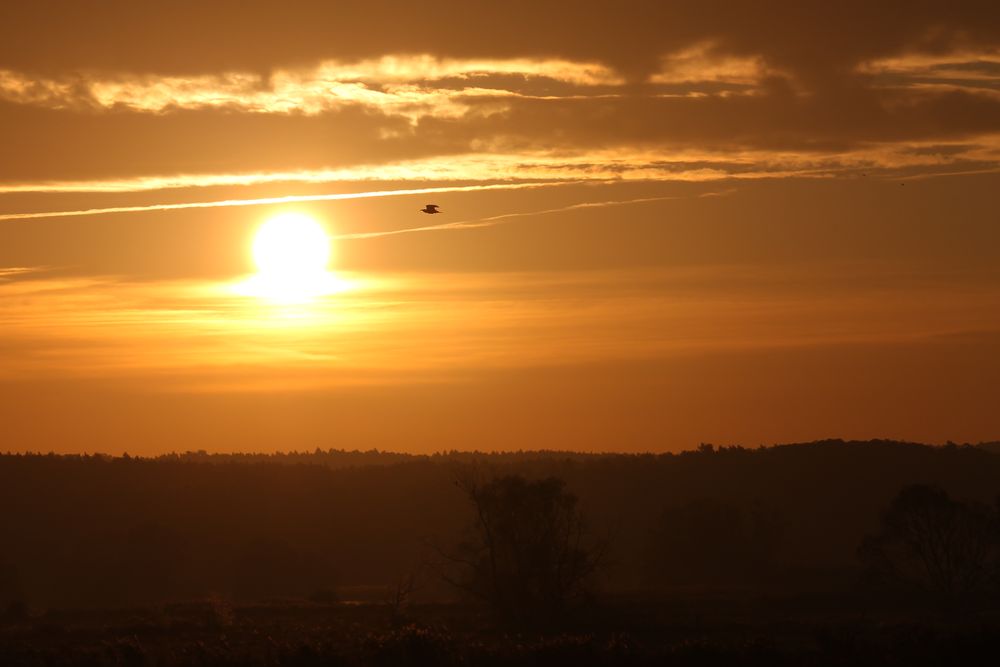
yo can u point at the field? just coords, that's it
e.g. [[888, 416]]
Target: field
[[682, 630]]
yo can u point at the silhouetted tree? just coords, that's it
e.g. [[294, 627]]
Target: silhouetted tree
[[399, 595], [528, 554], [932, 543]]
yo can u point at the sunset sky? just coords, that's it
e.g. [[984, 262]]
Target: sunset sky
[[662, 223]]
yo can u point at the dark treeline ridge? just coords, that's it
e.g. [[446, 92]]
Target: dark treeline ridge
[[96, 531], [344, 458]]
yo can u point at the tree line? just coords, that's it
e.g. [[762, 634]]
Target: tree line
[[531, 536]]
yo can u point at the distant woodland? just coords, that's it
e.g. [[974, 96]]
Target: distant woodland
[[94, 531]]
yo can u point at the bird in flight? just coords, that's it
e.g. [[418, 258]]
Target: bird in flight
[[430, 208]]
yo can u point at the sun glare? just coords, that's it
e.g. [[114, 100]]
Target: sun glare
[[292, 254], [291, 244]]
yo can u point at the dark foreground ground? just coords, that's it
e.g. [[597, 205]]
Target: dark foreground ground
[[678, 631]]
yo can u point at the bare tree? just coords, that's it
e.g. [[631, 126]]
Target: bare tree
[[399, 594], [930, 542], [527, 553]]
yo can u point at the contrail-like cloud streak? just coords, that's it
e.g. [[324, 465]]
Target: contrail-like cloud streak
[[291, 199], [501, 219], [8, 271]]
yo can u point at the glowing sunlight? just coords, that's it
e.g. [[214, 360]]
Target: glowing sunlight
[[292, 254]]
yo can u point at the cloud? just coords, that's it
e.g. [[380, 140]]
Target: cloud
[[432, 327], [962, 71], [121, 149], [495, 171], [13, 272], [231, 94], [493, 220], [409, 86], [959, 65], [703, 63], [262, 201]]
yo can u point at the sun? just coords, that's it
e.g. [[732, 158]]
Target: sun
[[292, 253], [290, 245]]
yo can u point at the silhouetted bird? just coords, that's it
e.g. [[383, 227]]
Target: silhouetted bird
[[430, 208]]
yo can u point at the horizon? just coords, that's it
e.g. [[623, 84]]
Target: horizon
[[701, 448]]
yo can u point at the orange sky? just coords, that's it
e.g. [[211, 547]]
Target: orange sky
[[663, 224]]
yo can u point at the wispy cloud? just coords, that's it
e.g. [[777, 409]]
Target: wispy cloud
[[495, 166], [955, 64], [493, 220], [290, 199], [974, 72], [405, 328], [707, 63], [9, 272], [410, 86]]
